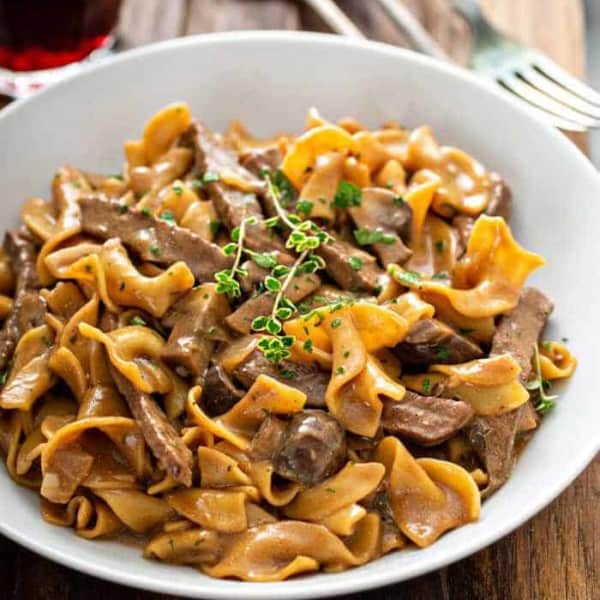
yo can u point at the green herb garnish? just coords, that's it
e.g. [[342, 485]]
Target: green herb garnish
[[355, 263], [347, 195], [366, 237], [210, 177], [226, 279], [167, 215], [137, 320], [546, 402], [287, 374], [443, 353], [304, 207], [426, 385], [214, 226]]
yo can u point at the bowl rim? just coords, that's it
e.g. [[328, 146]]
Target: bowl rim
[[330, 585]]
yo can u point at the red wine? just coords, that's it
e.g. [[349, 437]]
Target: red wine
[[43, 34]]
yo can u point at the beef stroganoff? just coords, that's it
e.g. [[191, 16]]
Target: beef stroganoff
[[270, 357]]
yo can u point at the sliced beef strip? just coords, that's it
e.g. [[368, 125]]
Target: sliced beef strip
[[268, 440], [166, 445], [300, 287], [426, 420], [308, 378], [500, 204], [150, 238], [269, 159], [381, 210], [430, 341], [23, 254], [493, 438], [336, 255], [233, 206], [313, 447], [192, 319], [29, 308], [255, 275], [261, 159], [212, 155], [219, 392]]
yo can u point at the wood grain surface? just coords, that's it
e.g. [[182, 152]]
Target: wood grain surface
[[556, 555]]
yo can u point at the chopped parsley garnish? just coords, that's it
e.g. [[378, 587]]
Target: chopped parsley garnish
[[304, 207], [146, 211], [3, 376], [167, 215], [123, 208], [347, 195], [426, 385], [564, 340], [137, 320], [178, 190], [466, 330], [441, 275], [154, 249], [346, 353], [443, 353], [283, 187], [287, 374], [546, 345], [116, 176], [214, 226], [336, 323], [408, 278], [210, 177], [308, 345], [340, 370], [330, 490], [439, 246], [546, 402], [355, 263], [366, 237], [399, 200]]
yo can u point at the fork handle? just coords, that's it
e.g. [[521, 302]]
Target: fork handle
[[410, 26], [336, 18], [471, 11]]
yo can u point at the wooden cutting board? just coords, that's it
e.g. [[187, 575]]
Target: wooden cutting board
[[554, 556]]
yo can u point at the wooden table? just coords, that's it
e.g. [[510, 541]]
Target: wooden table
[[556, 555]]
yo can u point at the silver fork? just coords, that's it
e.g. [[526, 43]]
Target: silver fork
[[561, 99]]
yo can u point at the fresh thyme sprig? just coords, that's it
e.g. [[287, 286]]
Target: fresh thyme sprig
[[277, 348], [226, 279], [305, 237], [546, 402]]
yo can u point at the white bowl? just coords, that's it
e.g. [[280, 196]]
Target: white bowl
[[268, 80]]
